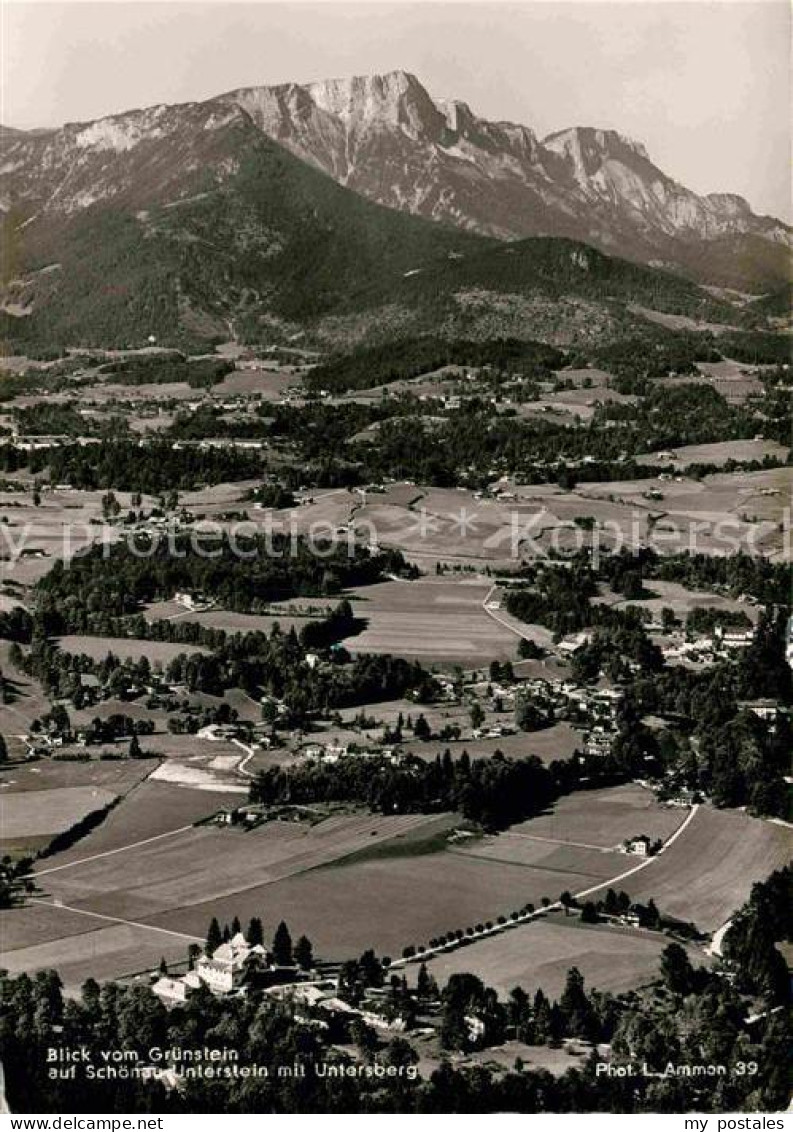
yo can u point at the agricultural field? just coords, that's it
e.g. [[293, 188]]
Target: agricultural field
[[353, 881], [64, 522], [577, 405], [672, 595], [153, 809], [557, 742], [392, 897], [604, 818], [708, 872], [718, 453], [713, 515], [733, 380], [430, 620], [125, 648], [39, 800], [125, 890], [386, 902], [116, 775], [225, 619], [582, 864], [264, 384], [98, 950], [42, 812], [209, 863], [540, 953], [26, 701], [39, 923]]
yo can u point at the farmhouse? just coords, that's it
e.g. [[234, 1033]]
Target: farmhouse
[[192, 600], [768, 710], [572, 643], [734, 638], [641, 845], [175, 992], [304, 994], [598, 742], [216, 732]]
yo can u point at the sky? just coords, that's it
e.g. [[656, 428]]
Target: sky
[[704, 84]]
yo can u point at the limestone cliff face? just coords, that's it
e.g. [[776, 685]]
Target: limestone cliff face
[[386, 138]]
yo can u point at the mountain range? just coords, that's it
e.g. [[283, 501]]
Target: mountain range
[[385, 137], [355, 208]]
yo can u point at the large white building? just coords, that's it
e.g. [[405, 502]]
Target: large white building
[[222, 972]]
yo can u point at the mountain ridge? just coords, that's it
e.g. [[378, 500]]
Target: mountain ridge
[[385, 137], [388, 139], [193, 222]]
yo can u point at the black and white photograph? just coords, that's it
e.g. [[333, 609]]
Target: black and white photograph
[[396, 568]]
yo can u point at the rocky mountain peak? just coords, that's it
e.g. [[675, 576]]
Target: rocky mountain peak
[[587, 148], [388, 139]]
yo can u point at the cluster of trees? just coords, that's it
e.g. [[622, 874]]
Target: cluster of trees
[[741, 759], [80, 829], [756, 347], [52, 379], [693, 1017], [705, 620], [473, 1017], [635, 359], [673, 416], [557, 597], [124, 465], [406, 358], [48, 419], [246, 575], [279, 668], [474, 440], [282, 951], [340, 622], [774, 405], [736, 757], [326, 444], [164, 368], [15, 880], [560, 598], [275, 665], [272, 495], [60, 673], [118, 726], [494, 792], [530, 715], [732, 574], [622, 641], [749, 944]]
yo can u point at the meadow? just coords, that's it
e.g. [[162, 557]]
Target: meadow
[[48, 811], [539, 955], [604, 818], [707, 874], [672, 595], [43, 798], [430, 620], [129, 892], [125, 648]]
